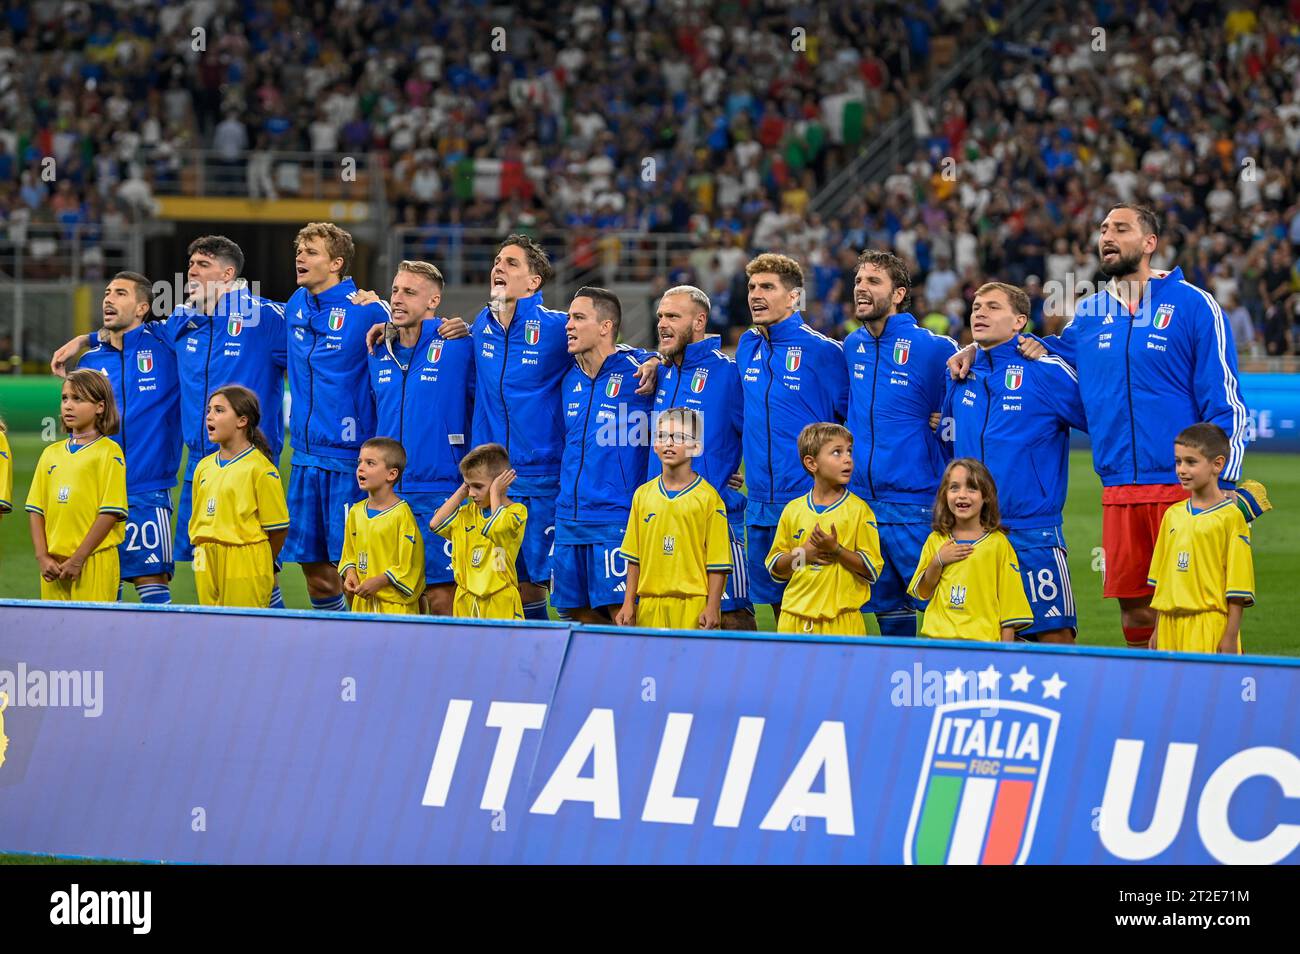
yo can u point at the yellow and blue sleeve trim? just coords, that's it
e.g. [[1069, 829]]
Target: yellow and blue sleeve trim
[[115, 511], [1246, 595], [32, 508], [718, 567], [1151, 582], [873, 571], [276, 526], [771, 570], [345, 567], [1018, 622], [397, 584], [448, 522]]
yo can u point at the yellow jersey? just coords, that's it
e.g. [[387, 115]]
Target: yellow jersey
[[1202, 559], [484, 546], [386, 542], [823, 592], [74, 484], [977, 596], [677, 538], [237, 501], [6, 475]]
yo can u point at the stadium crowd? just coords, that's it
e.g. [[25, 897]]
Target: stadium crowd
[[523, 129]]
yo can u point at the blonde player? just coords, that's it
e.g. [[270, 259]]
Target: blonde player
[[239, 518], [486, 532], [677, 544], [968, 568], [77, 500], [383, 552], [1202, 566], [826, 544]]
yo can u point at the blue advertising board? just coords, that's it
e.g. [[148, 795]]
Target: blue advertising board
[[251, 736]]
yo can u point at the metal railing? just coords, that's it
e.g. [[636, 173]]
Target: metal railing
[[85, 252], [895, 142], [272, 174]]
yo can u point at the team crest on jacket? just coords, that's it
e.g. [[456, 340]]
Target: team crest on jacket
[[981, 783], [699, 379], [234, 326], [435, 350], [901, 348], [613, 385], [144, 361], [336, 318], [793, 358], [1164, 315], [532, 332], [1015, 375]]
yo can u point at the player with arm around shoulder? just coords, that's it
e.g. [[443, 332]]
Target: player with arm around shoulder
[[383, 552], [968, 569], [677, 544], [827, 548], [239, 519]]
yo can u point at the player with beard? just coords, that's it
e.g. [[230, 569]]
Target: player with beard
[[897, 380], [698, 375], [1154, 354]]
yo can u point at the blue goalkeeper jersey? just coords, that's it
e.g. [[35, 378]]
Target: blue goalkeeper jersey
[[332, 413], [708, 381], [1015, 415], [1147, 375], [143, 376], [896, 381]]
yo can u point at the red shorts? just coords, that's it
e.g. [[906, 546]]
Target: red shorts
[[1130, 520]]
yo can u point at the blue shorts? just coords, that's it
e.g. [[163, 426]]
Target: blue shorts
[[762, 588], [319, 501], [589, 574], [735, 596], [147, 549], [1045, 572], [900, 545], [437, 550], [535, 554]]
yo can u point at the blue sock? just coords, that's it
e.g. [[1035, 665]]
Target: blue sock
[[536, 610], [897, 623], [154, 592], [277, 598], [336, 604], [119, 592]]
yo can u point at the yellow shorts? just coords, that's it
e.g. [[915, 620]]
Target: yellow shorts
[[362, 604], [233, 575], [849, 623], [670, 612], [98, 582], [1192, 632], [503, 604]]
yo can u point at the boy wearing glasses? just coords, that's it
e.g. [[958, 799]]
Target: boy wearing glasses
[[677, 544]]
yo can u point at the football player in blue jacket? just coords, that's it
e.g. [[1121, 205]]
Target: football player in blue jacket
[[698, 375], [141, 368], [332, 411], [423, 386], [898, 376], [606, 443], [1015, 416], [1154, 354], [791, 376]]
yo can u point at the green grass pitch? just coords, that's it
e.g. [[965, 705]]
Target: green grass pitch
[[1266, 630]]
